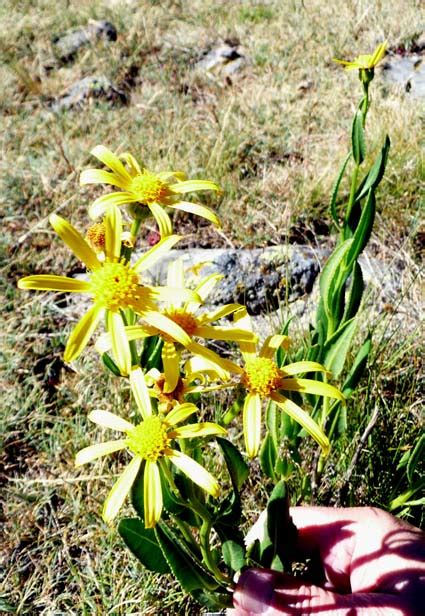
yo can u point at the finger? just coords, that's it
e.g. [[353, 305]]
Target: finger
[[267, 593], [362, 549]]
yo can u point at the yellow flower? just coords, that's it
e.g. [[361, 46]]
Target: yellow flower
[[140, 186], [365, 62], [263, 379], [113, 284], [187, 324], [150, 442]]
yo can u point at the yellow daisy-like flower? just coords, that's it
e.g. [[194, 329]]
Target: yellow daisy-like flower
[[263, 379], [187, 324], [150, 442], [367, 61], [140, 186], [114, 286]]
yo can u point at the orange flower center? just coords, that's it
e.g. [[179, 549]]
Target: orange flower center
[[261, 376], [148, 188], [185, 319], [96, 236]]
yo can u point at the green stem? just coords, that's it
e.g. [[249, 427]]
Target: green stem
[[351, 199], [204, 536]]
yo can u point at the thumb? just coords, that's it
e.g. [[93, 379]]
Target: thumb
[[268, 593]]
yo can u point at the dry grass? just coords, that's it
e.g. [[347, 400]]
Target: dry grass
[[273, 137]]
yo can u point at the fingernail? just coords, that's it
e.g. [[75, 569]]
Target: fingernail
[[255, 590]]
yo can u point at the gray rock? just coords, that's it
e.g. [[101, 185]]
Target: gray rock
[[87, 89], [408, 71], [259, 278], [226, 57], [66, 45]]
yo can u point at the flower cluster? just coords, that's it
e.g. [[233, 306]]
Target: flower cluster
[[135, 313]]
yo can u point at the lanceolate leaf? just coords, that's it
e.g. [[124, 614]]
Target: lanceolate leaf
[[376, 173], [184, 566], [335, 190], [364, 229], [143, 543], [357, 368], [236, 465], [233, 555], [337, 347], [355, 293], [268, 456], [357, 139], [110, 364], [329, 275], [280, 528]]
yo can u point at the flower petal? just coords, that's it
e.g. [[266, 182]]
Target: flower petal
[[167, 326], [181, 412], [75, 241], [194, 185], [162, 219], [97, 451], [152, 494], [100, 176], [113, 233], [110, 420], [198, 209], [171, 362], [197, 473], [131, 162], [112, 161], [272, 343], [211, 332], [81, 333], [119, 340], [175, 274], [103, 203], [308, 386], [303, 418], [219, 313], [242, 318], [121, 488], [299, 367], [252, 424], [221, 362], [159, 250], [199, 429], [140, 392], [50, 282]]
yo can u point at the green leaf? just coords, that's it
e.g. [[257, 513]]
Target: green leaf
[[376, 173], [355, 293], [415, 457], [363, 230], [280, 528], [357, 139], [143, 543], [151, 355], [233, 555], [330, 272], [357, 369], [404, 498], [337, 347], [236, 465], [335, 190], [110, 364], [184, 565], [268, 456]]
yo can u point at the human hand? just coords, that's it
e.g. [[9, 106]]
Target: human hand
[[373, 563]]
